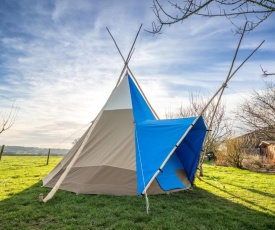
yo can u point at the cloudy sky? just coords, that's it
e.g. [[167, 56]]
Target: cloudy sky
[[58, 63]]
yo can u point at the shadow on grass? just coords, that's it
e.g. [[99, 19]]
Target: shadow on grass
[[256, 191], [242, 198], [192, 209]]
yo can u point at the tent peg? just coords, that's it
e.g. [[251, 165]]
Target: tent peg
[[40, 198]]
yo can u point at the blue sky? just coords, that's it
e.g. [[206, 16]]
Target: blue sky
[[59, 64]]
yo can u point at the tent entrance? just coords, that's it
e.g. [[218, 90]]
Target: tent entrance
[[169, 179]]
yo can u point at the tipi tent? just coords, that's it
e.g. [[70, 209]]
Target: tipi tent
[[129, 151]]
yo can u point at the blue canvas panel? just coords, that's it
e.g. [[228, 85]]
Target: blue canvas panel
[[189, 150], [154, 141], [168, 178], [141, 111]]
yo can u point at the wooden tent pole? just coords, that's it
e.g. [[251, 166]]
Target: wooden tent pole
[[220, 96], [181, 139], [221, 89], [176, 146], [129, 54], [229, 76], [127, 66], [246, 60], [224, 85]]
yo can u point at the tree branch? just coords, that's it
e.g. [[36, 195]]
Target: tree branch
[[8, 118], [265, 72], [254, 11]]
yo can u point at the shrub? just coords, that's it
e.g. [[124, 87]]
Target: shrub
[[221, 158]]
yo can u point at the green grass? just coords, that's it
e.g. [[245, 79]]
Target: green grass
[[225, 198]]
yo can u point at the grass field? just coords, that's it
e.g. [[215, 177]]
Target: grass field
[[225, 198]]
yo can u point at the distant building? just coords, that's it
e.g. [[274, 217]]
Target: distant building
[[254, 144], [267, 149]]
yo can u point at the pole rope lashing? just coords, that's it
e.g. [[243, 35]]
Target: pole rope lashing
[[224, 85]]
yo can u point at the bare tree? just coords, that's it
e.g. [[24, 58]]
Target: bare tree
[[8, 118], [258, 114], [220, 129], [235, 152], [171, 12], [266, 73]]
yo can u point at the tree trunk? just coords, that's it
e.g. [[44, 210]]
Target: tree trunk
[[1, 152], [48, 157], [201, 170]]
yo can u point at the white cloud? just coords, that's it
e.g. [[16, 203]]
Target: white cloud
[[62, 65]]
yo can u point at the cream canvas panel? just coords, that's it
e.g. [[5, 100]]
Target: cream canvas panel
[[65, 161], [101, 180], [107, 163], [112, 142], [120, 98]]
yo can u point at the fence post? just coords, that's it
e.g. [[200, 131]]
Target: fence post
[[48, 156], [1, 152]]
